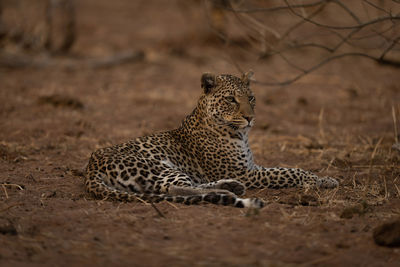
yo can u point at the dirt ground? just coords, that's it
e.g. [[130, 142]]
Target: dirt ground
[[337, 121]]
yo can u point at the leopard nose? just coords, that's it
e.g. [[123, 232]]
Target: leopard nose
[[248, 118]]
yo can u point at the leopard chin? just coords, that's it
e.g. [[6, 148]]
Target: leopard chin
[[241, 124]]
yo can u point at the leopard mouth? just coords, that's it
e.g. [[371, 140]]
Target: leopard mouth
[[241, 124]]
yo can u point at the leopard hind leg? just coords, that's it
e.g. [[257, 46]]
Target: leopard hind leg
[[230, 185], [175, 182]]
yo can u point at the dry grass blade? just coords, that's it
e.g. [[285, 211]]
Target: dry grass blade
[[19, 187], [320, 121], [373, 155], [330, 196], [396, 134], [398, 190], [142, 200], [354, 180], [171, 204], [386, 189], [5, 191]]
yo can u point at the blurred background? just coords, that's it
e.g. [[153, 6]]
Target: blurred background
[[291, 38], [77, 75]]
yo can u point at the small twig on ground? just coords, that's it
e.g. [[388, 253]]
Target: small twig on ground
[[142, 200], [151, 203], [157, 210], [12, 206]]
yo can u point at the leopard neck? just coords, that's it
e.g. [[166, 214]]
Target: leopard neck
[[197, 122]]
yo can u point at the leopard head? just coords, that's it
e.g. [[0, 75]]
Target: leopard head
[[228, 101]]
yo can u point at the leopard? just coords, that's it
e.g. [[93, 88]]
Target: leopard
[[207, 159]]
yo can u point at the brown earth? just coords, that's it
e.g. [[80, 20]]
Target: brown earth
[[337, 121]]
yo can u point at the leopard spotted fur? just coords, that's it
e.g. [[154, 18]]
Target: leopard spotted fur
[[206, 159]]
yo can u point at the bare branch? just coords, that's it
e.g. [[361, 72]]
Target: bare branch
[[390, 47], [290, 63], [319, 10], [380, 38], [374, 33], [339, 3], [376, 7], [298, 46], [361, 25], [345, 39], [326, 61], [226, 40], [312, 45], [274, 9]]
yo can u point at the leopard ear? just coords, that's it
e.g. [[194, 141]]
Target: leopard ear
[[247, 76], [208, 82]]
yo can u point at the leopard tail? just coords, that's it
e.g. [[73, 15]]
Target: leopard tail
[[96, 186]]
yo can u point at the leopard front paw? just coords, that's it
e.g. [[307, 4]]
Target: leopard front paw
[[327, 182], [233, 186]]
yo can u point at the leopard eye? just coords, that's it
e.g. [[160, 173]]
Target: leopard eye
[[230, 99], [252, 98]]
